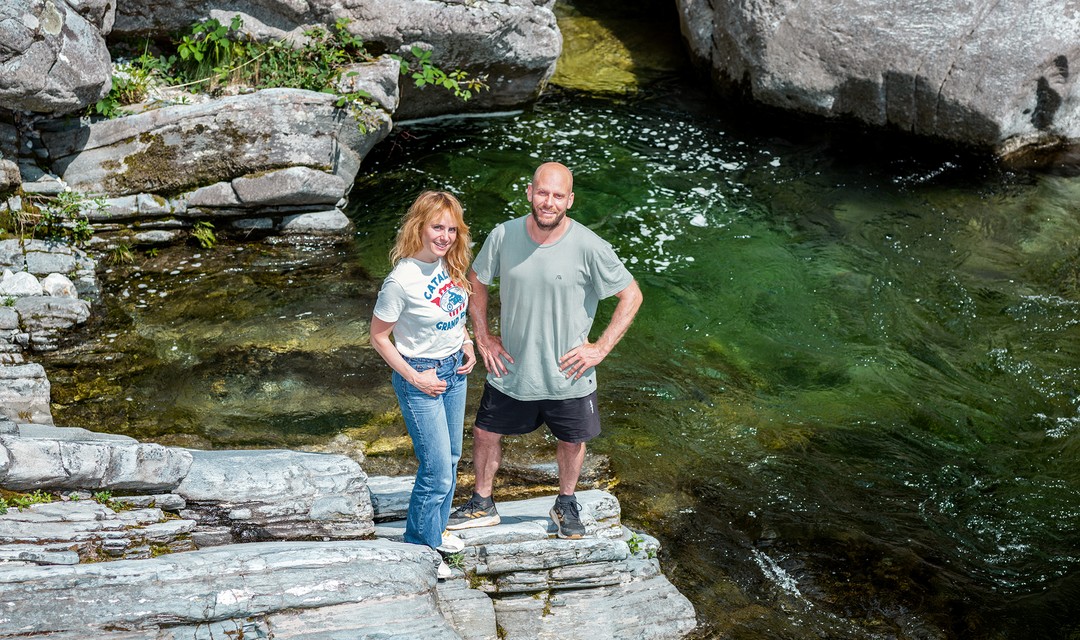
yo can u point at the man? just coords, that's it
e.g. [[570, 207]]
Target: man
[[553, 271]]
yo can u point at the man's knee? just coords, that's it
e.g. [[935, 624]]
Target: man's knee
[[486, 437]]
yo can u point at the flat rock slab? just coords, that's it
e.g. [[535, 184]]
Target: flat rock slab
[[278, 494], [311, 590], [41, 463]]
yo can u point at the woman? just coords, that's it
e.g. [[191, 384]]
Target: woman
[[422, 304]]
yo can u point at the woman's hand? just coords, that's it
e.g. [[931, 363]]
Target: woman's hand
[[428, 381], [470, 359]]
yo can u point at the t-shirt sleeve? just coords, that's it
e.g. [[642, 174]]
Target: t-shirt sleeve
[[391, 301], [486, 264], [609, 274]]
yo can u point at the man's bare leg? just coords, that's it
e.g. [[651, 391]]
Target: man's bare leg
[[570, 456], [487, 456]]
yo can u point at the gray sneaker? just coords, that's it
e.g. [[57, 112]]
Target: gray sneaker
[[567, 517], [477, 512]]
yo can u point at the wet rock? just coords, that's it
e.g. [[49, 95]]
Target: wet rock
[[54, 58], [24, 394], [43, 463], [850, 59], [333, 222], [262, 495]]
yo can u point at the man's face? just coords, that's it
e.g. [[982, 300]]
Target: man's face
[[550, 195]]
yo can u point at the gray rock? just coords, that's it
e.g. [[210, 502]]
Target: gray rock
[[650, 608], [297, 589], [320, 223], [219, 194], [20, 284], [54, 59], [291, 186], [69, 433], [36, 554], [93, 464], [9, 318], [184, 147], [379, 79], [278, 494], [515, 42], [469, 611], [59, 286], [25, 394], [165, 501], [919, 67], [44, 315], [390, 496]]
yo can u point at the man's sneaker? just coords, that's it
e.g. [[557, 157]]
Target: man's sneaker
[[477, 512], [451, 543], [444, 571], [567, 517]]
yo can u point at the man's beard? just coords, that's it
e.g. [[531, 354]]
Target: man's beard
[[548, 227]]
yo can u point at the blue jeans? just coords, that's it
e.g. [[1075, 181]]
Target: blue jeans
[[435, 425]]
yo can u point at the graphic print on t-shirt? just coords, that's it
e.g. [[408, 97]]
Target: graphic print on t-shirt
[[448, 296]]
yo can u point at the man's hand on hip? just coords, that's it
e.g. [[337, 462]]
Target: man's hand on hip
[[580, 359]]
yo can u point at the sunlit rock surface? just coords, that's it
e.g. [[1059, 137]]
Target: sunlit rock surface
[[514, 42], [53, 57], [992, 74]]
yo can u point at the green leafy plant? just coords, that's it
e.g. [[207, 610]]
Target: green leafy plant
[[211, 55], [102, 497], [9, 301], [423, 72], [24, 500], [635, 543], [203, 232], [152, 252], [3, 506], [59, 217]]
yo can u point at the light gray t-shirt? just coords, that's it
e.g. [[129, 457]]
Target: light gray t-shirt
[[426, 307], [548, 295]]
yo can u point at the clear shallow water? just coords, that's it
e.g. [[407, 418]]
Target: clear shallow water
[[850, 406]]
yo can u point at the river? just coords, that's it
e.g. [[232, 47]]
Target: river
[[849, 407]]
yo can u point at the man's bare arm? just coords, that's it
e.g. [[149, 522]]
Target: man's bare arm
[[491, 347], [580, 359]]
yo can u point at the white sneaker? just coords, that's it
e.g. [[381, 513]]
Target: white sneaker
[[451, 543], [444, 571]]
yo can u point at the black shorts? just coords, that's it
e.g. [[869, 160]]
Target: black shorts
[[574, 420]]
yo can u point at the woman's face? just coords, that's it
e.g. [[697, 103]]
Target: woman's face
[[436, 238]]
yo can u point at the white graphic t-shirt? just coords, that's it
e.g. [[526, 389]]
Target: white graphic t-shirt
[[426, 307]]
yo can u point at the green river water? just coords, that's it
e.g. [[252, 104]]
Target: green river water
[[849, 407]]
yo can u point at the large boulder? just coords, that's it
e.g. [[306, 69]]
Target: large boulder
[[990, 74], [53, 57], [514, 42], [180, 148]]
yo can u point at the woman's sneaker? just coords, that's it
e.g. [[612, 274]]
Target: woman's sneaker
[[451, 543], [477, 512]]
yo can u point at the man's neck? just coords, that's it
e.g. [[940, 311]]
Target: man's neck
[[546, 236]]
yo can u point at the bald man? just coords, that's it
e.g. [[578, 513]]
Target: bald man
[[552, 272]]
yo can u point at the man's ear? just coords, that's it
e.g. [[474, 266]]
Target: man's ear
[[570, 200]]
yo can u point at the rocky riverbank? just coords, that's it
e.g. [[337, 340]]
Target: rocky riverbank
[[107, 537]]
